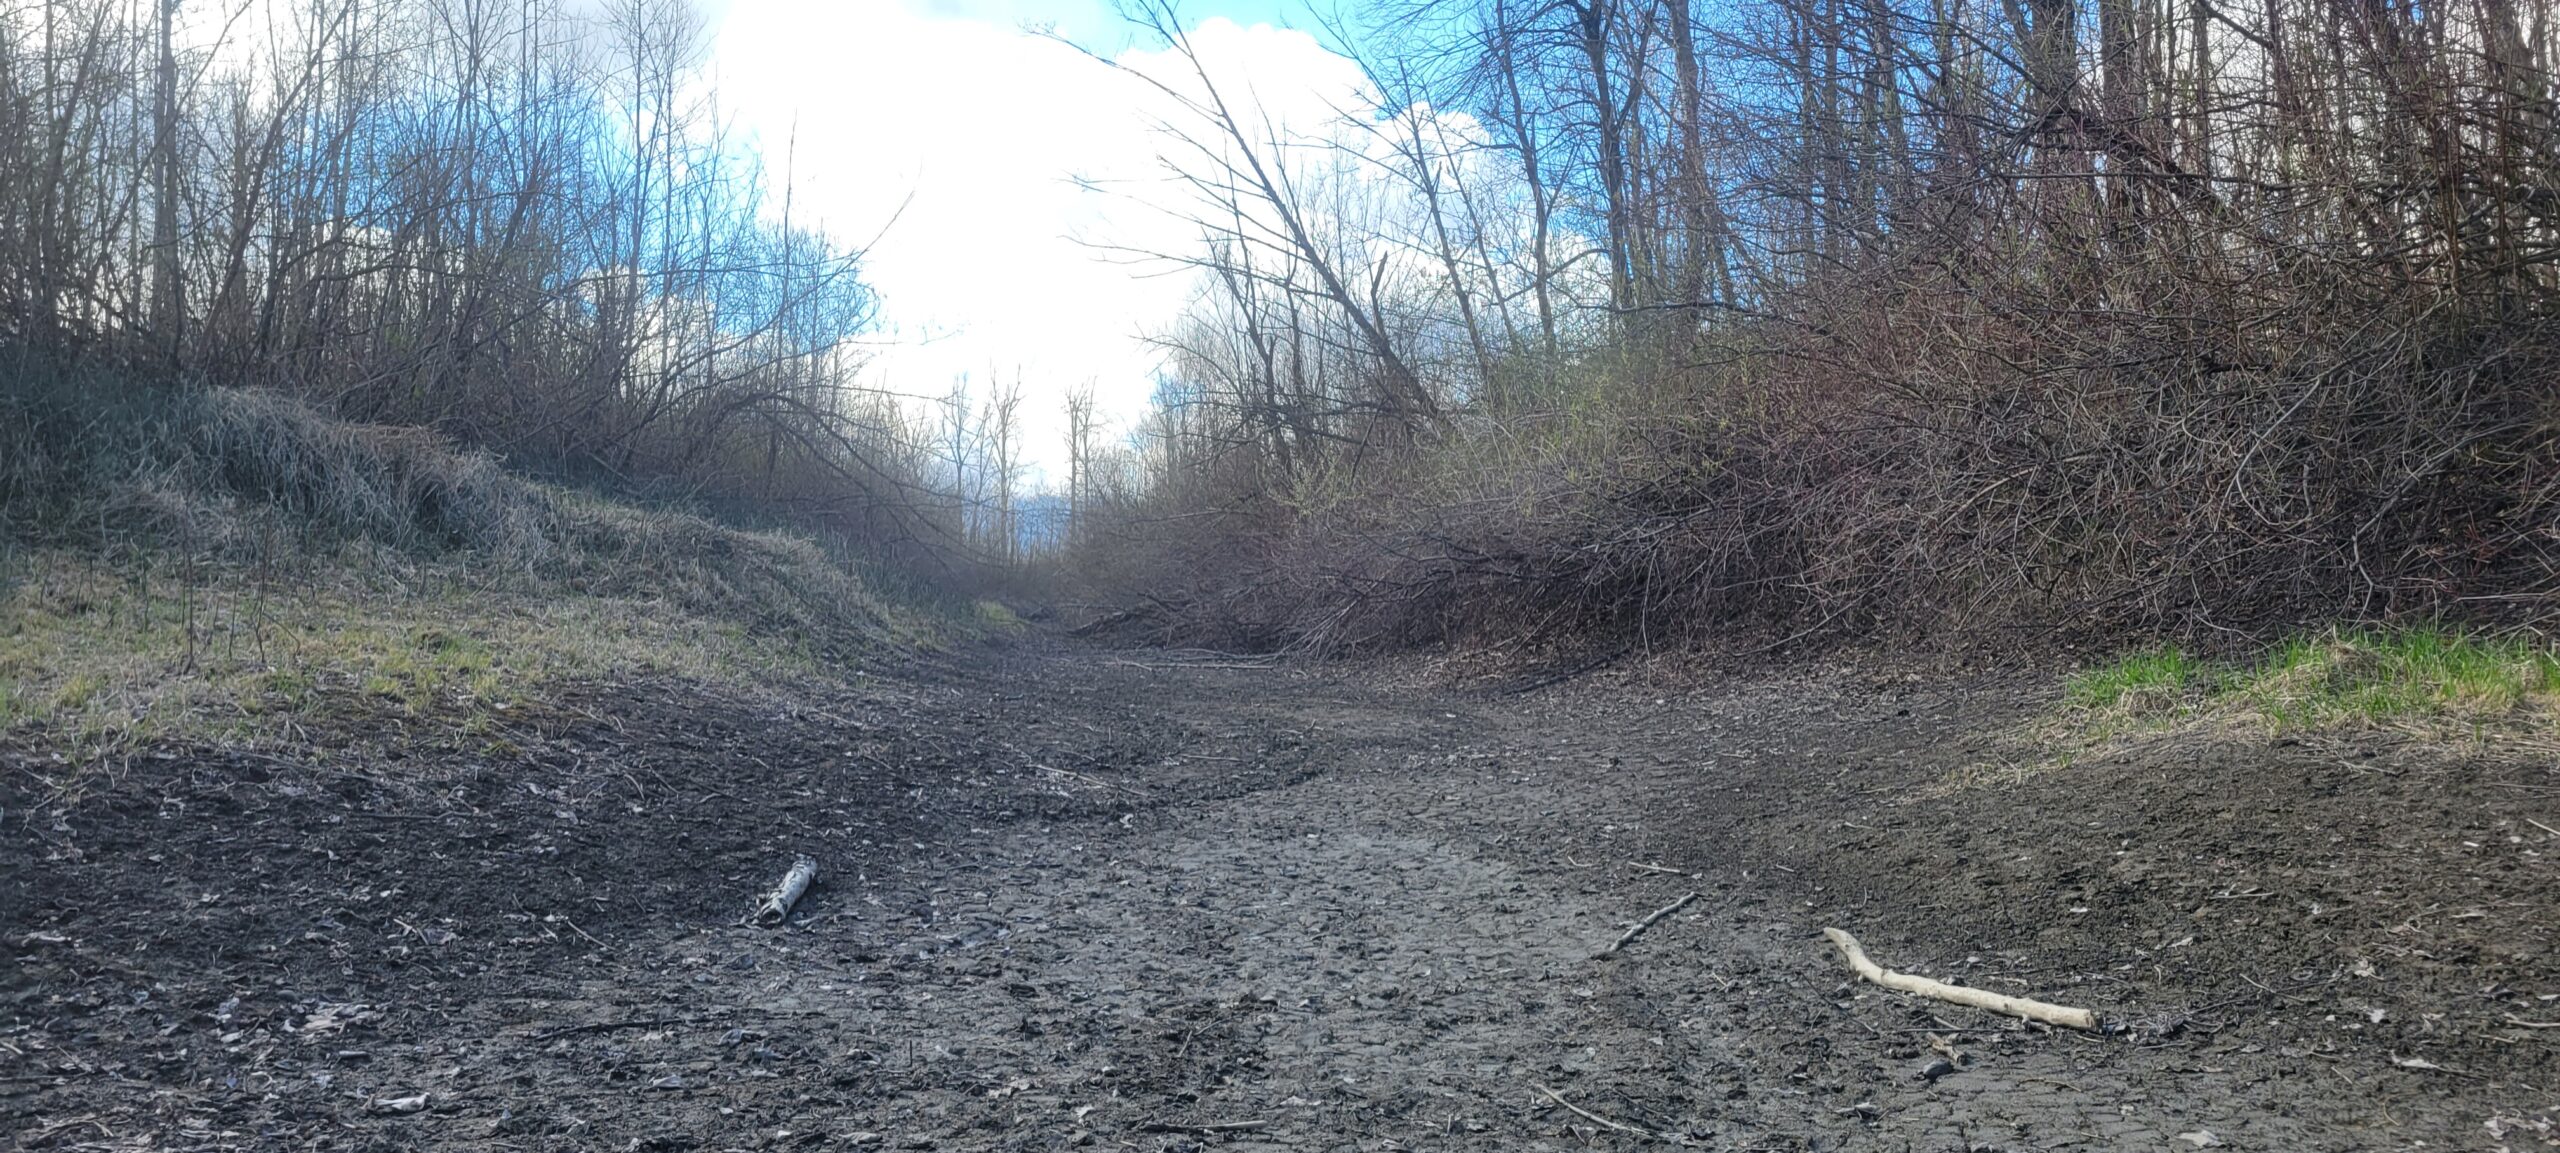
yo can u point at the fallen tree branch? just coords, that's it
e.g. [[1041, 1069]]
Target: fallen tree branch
[[777, 904], [2066, 1017], [1647, 923]]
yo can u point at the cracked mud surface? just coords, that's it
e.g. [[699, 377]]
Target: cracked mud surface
[[1072, 901]]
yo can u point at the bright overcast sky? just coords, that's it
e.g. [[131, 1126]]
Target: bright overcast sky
[[979, 129]]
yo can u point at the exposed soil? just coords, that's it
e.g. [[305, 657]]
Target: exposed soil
[[1079, 900]]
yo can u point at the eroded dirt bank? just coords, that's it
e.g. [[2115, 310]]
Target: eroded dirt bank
[[1092, 902]]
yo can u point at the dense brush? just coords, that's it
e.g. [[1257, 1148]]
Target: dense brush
[[91, 460]]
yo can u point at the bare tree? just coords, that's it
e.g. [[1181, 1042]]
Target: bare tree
[[2143, 314], [519, 223], [1080, 453]]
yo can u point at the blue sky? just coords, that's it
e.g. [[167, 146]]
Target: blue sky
[[1087, 20]]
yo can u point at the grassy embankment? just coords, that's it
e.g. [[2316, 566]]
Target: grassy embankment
[[184, 566]]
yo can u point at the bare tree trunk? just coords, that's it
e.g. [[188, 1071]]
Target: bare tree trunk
[[167, 307], [1524, 132], [1593, 21]]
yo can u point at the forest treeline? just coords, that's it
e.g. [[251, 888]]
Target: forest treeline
[[1661, 320], [523, 225], [1638, 319]]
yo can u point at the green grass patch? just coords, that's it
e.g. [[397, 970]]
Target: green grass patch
[[2144, 681], [2420, 677], [2438, 684], [2374, 677]]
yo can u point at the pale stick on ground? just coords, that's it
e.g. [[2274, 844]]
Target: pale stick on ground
[[777, 904], [2064, 1016]]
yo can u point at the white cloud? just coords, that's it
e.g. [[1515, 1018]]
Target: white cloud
[[979, 130]]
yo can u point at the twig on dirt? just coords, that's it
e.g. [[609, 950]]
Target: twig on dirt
[[1597, 1119], [1093, 780], [777, 904], [2064, 1016], [1654, 868], [1206, 1127], [573, 927], [2286, 996], [614, 1027], [2541, 826], [1639, 927], [1168, 667], [2521, 1023], [2422, 1065]]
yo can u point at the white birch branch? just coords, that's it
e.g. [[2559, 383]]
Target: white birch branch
[[777, 904], [2066, 1017]]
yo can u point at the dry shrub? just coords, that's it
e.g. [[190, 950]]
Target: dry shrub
[[2008, 476], [250, 477], [1887, 318]]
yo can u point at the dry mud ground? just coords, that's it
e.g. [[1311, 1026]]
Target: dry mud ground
[[1084, 901]]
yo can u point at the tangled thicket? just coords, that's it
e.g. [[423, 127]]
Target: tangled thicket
[[1805, 317]]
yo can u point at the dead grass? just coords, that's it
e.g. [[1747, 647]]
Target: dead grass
[[95, 659], [91, 461], [215, 566]]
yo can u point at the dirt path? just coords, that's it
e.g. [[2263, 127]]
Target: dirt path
[[1079, 902]]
